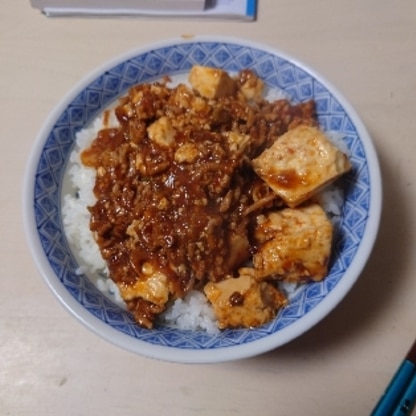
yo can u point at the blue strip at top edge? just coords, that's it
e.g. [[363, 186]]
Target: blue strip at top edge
[[251, 8]]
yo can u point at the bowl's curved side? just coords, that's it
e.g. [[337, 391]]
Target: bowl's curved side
[[46, 168]]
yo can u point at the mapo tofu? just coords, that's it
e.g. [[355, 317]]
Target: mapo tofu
[[180, 186]]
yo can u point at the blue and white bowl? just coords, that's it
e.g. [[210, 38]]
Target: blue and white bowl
[[45, 176]]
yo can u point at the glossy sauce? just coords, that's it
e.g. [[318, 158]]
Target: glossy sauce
[[183, 218]]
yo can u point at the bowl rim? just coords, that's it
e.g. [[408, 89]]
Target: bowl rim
[[174, 354]]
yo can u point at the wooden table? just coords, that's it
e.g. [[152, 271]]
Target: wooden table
[[52, 365]]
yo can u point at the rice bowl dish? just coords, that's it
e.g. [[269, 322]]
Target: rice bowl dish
[[94, 299], [191, 310]]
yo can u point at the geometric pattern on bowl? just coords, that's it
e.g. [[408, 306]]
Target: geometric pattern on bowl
[[277, 72]]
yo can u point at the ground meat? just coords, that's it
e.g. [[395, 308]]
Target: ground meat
[[174, 185]]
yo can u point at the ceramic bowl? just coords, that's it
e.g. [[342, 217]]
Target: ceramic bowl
[[58, 264]]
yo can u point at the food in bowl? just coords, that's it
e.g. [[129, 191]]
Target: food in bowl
[[206, 189]]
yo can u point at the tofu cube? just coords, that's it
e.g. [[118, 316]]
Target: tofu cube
[[162, 132], [295, 244], [152, 286], [243, 301], [300, 163], [253, 88], [212, 82]]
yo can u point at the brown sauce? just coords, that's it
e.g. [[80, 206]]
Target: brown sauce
[[183, 218]]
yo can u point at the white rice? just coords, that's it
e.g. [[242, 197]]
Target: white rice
[[194, 311], [76, 217]]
